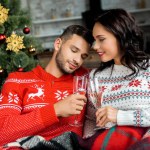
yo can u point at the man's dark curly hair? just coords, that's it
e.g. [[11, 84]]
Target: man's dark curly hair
[[79, 30]]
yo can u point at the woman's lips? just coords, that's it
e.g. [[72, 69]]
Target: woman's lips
[[100, 53]]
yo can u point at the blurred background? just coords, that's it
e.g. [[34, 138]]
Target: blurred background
[[50, 17]]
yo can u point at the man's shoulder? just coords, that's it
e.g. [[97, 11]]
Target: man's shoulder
[[18, 74]]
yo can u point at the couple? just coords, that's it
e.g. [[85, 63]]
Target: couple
[[36, 107]]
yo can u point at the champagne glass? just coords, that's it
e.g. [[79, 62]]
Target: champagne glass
[[99, 93], [79, 86], [96, 93], [99, 89]]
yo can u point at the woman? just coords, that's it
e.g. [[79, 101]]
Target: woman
[[121, 83]]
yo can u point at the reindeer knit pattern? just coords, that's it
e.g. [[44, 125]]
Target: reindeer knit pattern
[[130, 97], [27, 105]]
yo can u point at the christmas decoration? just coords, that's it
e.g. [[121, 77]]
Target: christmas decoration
[[2, 29], [1, 70], [32, 49], [15, 42], [21, 59], [26, 30], [2, 38], [3, 14], [20, 69]]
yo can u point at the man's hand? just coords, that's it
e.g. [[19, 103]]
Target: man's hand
[[71, 105], [105, 115]]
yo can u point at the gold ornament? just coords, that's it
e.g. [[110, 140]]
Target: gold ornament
[[1, 70], [32, 49], [3, 14], [14, 42]]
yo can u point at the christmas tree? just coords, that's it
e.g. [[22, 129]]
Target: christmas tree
[[18, 48]]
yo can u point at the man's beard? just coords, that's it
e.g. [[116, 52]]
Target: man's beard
[[61, 63]]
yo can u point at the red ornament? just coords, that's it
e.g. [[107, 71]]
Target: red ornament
[[2, 38], [20, 69], [26, 30]]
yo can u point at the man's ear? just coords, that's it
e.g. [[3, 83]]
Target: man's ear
[[57, 44]]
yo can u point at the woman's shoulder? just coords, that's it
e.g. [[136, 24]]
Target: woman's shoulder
[[98, 72], [148, 68], [92, 71], [146, 71]]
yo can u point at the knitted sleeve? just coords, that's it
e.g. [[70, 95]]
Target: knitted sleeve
[[13, 123], [141, 116]]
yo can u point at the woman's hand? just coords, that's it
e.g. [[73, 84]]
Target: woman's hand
[[105, 115]]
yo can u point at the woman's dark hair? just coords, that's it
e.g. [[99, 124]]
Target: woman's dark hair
[[130, 37], [78, 30]]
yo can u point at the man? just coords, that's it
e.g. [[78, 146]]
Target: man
[[40, 102]]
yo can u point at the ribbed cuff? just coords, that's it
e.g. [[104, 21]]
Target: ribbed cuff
[[48, 115], [125, 117]]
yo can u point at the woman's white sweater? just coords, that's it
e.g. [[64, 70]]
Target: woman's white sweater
[[130, 97]]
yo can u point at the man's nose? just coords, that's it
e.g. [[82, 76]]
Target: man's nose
[[77, 59]]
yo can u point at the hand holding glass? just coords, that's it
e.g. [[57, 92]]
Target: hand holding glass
[[79, 86], [96, 91]]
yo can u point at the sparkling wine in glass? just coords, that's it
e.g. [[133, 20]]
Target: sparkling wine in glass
[[79, 87], [100, 90], [96, 92]]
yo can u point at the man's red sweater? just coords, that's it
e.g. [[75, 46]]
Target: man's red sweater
[[27, 105]]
